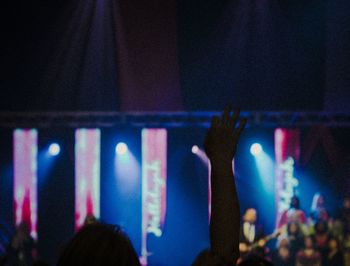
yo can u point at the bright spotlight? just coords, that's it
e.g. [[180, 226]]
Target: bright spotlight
[[121, 148], [195, 149], [54, 149], [256, 149]]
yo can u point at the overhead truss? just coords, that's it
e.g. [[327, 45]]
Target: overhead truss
[[166, 119]]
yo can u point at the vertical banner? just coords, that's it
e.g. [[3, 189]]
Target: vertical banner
[[154, 169], [25, 142], [87, 174], [287, 153]]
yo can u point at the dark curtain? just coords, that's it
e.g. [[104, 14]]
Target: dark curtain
[[173, 55], [81, 71], [59, 56], [261, 55]]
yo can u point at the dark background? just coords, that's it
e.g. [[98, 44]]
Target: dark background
[[178, 55]]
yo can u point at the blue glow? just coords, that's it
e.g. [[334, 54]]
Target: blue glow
[[266, 171], [265, 183], [121, 148], [54, 149], [256, 149], [127, 172]]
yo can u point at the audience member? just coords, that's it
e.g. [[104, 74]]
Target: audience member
[[318, 211], [334, 257], [282, 256], [295, 238], [320, 238], [255, 261], [293, 214], [22, 250], [99, 244], [308, 256]]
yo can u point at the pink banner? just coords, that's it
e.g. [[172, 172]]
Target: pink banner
[[87, 175], [25, 178], [287, 153], [154, 170]]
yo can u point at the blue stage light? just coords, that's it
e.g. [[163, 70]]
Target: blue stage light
[[195, 149], [256, 149], [54, 149], [121, 148]]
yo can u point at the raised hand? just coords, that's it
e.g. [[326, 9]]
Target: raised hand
[[220, 145], [223, 135]]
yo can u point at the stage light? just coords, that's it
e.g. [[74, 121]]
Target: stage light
[[256, 149], [195, 149], [54, 149], [121, 148]]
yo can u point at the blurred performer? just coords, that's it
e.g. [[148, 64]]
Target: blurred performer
[[293, 214], [318, 210], [251, 235], [22, 251], [335, 256], [90, 219], [308, 256]]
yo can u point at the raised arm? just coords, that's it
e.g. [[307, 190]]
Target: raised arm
[[220, 145]]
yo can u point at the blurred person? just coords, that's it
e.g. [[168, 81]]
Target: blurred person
[[22, 249], [282, 256], [255, 261], [99, 244], [335, 256], [90, 219], [344, 215], [346, 249], [251, 238], [321, 238], [308, 256], [296, 239], [293, 214], [318, 210]]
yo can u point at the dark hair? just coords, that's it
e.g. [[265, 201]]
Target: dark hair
[[255, 261], [321, 227], [298, 232], [295, 202], [99, 244]]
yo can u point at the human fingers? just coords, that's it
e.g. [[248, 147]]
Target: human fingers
[[234, 118], [226, 115], [241, 127], [215, 122]]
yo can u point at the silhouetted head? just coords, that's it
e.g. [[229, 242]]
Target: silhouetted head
[[333, 244], [207, 258], [99, 244], [293, 228], [317, 201], [346, 202], [90, 219], [295, 202], [321, 227], [308, 242], [255, 261]]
